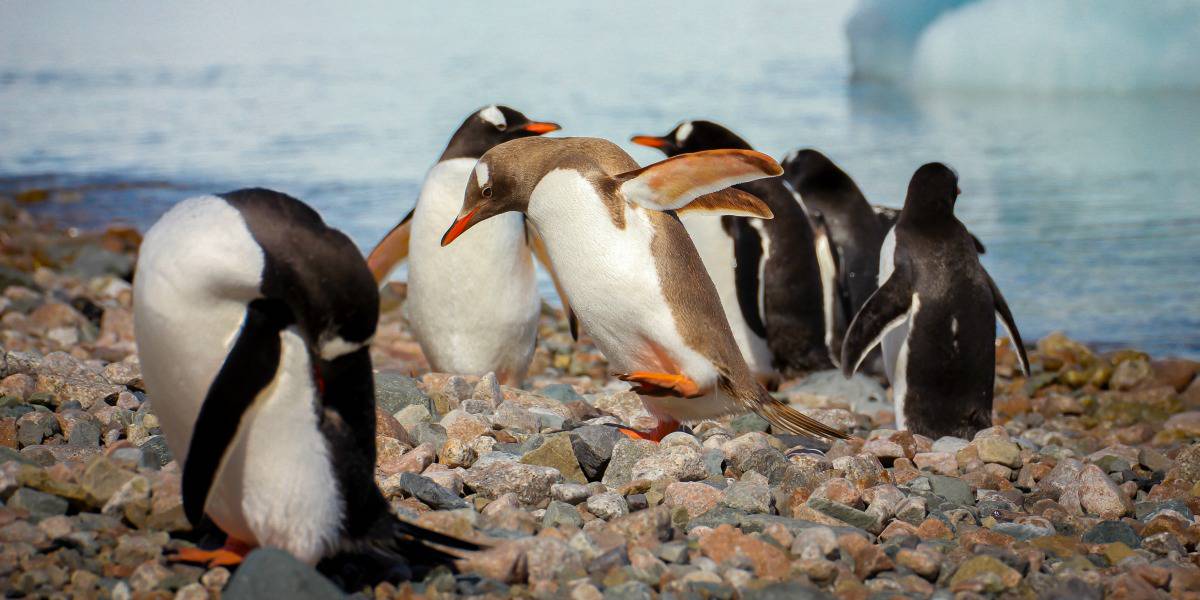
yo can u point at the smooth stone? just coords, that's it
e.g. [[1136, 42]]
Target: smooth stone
[[951, 488], [560, 391], [39, 504], [435, 496], [394, 391], [593, 446], [561, 514], [272, 573]]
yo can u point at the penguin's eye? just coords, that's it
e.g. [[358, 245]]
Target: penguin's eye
[[486, 191], [501, 126]]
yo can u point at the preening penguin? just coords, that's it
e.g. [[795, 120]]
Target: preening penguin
[[629, 268], [253, 320], [457, 332], [776, 279], [945, 370]]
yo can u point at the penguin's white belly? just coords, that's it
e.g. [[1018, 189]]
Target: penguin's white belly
[[277, 487], [611, 279], [472, 305], [198, 269], [716, 251]]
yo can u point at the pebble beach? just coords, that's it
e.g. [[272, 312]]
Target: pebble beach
[[1086, 487]]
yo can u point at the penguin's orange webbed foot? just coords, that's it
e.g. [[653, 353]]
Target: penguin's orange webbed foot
[[229, 555], [661, 384], [655, 435]]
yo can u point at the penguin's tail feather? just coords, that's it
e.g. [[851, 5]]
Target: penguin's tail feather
[[782, 416], [393, 550]]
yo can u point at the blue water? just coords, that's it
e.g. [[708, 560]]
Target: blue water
[[1088, 202]]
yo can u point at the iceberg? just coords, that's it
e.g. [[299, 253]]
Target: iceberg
[[1035, 45]]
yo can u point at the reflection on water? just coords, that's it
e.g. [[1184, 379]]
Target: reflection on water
[[1088, 203]]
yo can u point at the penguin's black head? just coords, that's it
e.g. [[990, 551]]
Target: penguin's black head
[[491, 126], [694, 136], [932, 190], [806, 169]]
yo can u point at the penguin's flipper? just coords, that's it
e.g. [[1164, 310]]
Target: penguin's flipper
[[748, 257], [392, 249], [885, 310], [677, 181], [729, 201], [978, 244], [249, 368], [539, 250], [1010, 325]]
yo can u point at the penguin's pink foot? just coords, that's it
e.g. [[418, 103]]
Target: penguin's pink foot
[[661, 384], [229, 555], [660, 431]]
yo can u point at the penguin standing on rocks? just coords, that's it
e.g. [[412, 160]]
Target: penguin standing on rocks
[[945, 370], [473, 308], [776, 272], [629, 268], [253, 321]]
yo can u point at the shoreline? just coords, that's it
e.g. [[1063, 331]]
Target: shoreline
[[1087, 482]]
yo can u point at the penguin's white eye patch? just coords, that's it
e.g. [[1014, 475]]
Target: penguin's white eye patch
[[482, 174], [683, 132], [493, 115]]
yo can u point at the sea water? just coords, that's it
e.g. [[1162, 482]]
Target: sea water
[[1087, 196]]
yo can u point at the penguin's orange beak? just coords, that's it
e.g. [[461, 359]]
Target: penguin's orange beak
[[540, 127], [651, 141], [459, 226]]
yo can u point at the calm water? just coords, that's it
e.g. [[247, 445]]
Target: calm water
[[1089, 204]]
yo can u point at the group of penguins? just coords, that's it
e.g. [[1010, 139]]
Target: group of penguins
[[701, 278]]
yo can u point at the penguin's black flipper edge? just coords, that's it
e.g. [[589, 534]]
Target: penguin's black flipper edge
[[391, 250], [539, 249], [248, 369], [885, 310], [1010, 325], [978, 244]]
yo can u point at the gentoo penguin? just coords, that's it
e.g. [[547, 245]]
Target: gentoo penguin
[[855, 230], [253, 320], [473, 308], [894, 339], [776, 271], [945, 371], [630, 270]]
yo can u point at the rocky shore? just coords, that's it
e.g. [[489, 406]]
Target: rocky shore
[[1087, 487]]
